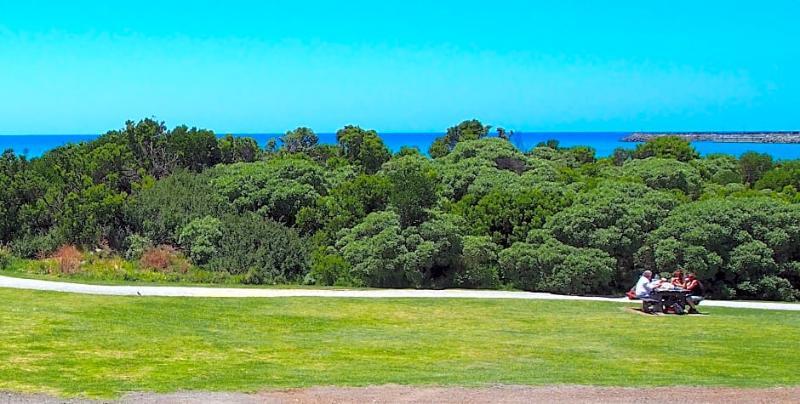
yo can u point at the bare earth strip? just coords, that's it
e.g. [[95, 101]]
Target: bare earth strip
[[188, 291], [497, 394]]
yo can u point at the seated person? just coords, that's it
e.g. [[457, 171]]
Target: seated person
[[645, 285], [677, 279], [695, 288]]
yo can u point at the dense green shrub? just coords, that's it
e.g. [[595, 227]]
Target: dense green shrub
[[5, 257], [548, 265], [479, 265], [277, 189], [328, 268], [665, 174], [160, 211], [137, 245], [508, 213], [785, 174], [753, 165], [731, 243], [464, 131], [480, 213], [36, 245], [413, 190], [666, 147], [263, 250], [615, 217], [200, 238], [363, 148], [236, 149], [344, 206], [382, 253]]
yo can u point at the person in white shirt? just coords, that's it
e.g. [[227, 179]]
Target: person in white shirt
[[644, 286]]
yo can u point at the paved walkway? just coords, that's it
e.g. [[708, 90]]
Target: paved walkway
[[192, 291]]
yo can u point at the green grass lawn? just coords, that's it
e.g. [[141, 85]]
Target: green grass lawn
[[77, 345]]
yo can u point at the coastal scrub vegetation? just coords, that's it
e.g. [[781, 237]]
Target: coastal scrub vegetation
[[148, 203]]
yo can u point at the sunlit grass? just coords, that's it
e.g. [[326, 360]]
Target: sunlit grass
[[77, 345]]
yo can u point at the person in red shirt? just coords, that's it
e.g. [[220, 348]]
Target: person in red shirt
[[695, 289]]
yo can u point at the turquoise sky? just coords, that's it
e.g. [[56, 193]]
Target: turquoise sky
[[269, 66]]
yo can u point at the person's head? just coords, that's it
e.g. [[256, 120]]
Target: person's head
[[691, 276], [647, 274], [678, 274]]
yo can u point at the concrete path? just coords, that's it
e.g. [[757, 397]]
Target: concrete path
[[192, 291]]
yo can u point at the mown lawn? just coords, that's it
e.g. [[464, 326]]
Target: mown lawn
[[75, 345]]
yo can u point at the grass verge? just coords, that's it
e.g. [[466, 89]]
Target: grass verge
[[96, 346]]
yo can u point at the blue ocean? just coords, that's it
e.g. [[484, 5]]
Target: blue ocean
[[603, 142]]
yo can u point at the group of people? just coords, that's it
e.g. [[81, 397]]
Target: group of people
[[647, 284]]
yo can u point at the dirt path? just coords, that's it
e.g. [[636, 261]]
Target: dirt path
[[498, 394], [193, 291]]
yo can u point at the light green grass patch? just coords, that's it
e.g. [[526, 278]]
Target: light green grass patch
[[77, 345]]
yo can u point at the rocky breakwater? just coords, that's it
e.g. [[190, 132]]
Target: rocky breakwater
[[722, 137]]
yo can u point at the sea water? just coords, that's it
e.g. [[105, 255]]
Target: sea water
[[603, 142]]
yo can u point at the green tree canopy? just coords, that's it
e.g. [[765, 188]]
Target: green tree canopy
[[732, 244], [666, 147], [299, 140], [467, 130], [363, 148], [753, 165]]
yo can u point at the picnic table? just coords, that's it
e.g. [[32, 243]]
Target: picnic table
[[664, 300]]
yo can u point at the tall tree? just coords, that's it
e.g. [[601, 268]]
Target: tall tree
[[667, 147], [472, 129], [299, 140], [363, 148], [754, 165]]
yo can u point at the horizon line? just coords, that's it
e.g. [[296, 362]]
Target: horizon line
[[395, 132]]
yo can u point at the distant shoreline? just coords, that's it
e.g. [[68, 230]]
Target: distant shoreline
[[721, 137]]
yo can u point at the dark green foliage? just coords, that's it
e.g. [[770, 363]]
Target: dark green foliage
[[195, 149], [363, 148], [161, 210], [480, 214], [136, 246], [16, 190], [200, 239], [573, 157], [479, 166], [621, 155], [299, 140], [149, 143], [413, 188], [329, 269], [345, 205], [546, 264], [5, 258], [479, 264], [90, 216], [261, 250], [508, 213], [665, 174], [666, 147], [616, 218], [238, 149], [730, 243], [753, 165], [383, 254], [720, 169], [278, 188], [784, 175], [467, 130]]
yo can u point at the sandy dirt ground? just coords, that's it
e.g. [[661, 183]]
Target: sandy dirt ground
[[497, 394]]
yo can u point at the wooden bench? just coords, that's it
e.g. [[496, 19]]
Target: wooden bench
[[650, 305]]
